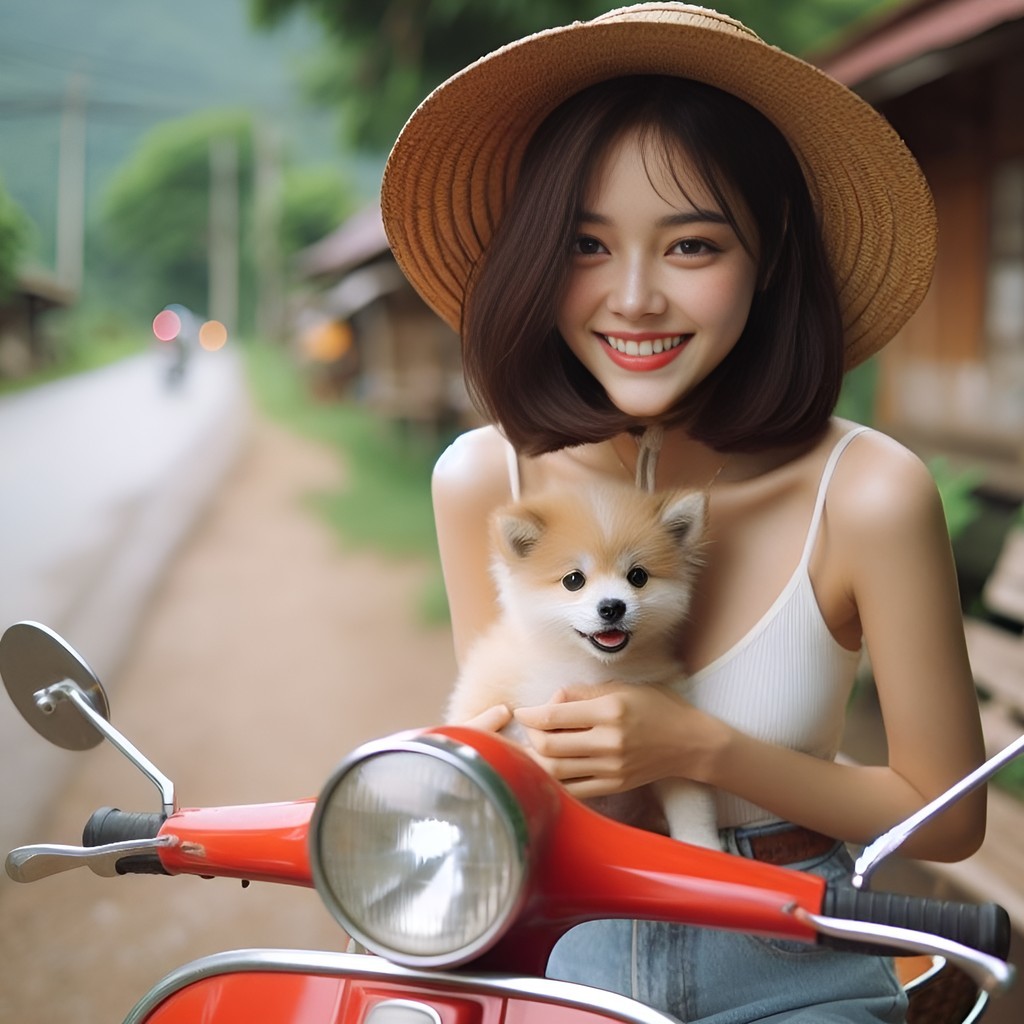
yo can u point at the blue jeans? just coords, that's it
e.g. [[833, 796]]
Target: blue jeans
[[719, 977]]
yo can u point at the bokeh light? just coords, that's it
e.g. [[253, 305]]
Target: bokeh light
[[328, 341], [213, 335], [166, 325]]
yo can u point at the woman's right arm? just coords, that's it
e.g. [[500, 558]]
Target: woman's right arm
[[470, 480]]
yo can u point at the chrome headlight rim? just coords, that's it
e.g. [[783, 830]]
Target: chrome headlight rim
[[475, 767]]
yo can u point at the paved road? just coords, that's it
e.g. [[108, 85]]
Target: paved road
[[101, 475]]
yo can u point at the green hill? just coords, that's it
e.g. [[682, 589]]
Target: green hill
[[138, 62]]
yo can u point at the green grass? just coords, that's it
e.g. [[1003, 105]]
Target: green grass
[[82, 342], [1011, 778], [384, 504]]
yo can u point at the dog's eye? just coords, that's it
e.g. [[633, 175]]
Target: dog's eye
[[574, 580], [637, 576]]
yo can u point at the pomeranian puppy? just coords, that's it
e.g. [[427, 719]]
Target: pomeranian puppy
[[593, 586]]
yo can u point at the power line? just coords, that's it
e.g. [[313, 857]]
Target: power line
[[55, 57], [192, 85], [98, 109]]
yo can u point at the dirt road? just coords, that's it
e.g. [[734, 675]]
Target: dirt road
[[266, 654]]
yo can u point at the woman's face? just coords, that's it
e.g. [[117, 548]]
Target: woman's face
[[660, 285]]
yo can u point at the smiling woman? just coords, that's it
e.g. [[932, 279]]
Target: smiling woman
[[714, 211], [653, 227]]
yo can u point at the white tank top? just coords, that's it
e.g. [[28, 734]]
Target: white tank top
[[788, 680]]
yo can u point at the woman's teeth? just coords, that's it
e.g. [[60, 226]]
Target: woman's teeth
[[645, 348]]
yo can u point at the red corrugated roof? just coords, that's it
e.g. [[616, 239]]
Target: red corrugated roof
[[913, 31]]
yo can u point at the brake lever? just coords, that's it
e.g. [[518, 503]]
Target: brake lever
[[991, 974], [30, 863], [889, 842]]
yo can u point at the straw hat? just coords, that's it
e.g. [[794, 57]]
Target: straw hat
[[455, 163]]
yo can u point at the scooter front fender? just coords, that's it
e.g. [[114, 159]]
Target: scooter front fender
[[300, 987]]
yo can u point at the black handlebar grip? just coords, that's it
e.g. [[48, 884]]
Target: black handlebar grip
[[981, 926], [110, 825]]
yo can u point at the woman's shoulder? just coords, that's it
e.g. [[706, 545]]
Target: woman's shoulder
[[880, 483], [475, 463]]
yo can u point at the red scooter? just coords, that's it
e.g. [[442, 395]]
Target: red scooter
[[459, 862]]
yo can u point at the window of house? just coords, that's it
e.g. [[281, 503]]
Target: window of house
[[1004, 314]]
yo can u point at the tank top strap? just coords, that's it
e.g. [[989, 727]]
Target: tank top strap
[[826, 477], [648, 449], [512, 460]]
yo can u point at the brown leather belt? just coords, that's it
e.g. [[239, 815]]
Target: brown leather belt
[[790, 845]]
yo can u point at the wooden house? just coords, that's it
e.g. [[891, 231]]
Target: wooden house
[[949, 76], [25, 345], [366, 324]]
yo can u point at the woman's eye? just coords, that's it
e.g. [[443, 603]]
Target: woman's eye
[[637, 576], [574, 580], [694, 247], [585, 245]]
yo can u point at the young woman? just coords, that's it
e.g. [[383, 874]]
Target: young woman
[[663, 240]]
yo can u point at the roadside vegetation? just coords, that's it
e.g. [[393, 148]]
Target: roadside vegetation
[[384, 502], [85, 339]]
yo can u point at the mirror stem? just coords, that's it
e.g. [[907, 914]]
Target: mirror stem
[[46, 700]]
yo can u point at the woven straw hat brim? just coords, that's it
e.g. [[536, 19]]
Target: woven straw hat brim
[[455, 163]]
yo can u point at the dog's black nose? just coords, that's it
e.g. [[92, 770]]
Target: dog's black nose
[[611, 610]]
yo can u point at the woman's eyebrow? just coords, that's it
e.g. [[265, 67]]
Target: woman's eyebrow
[[672, 220]]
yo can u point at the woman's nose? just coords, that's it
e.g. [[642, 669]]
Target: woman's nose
[[637, 292]]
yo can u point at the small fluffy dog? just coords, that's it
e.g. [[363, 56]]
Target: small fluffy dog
[[593, 587]]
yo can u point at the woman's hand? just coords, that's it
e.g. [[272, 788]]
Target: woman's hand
[[615, 737], [492, 720]]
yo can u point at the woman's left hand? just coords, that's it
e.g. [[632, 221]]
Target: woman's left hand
[[599, 740]]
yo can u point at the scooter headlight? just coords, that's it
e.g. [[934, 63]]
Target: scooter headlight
[[418, 848]]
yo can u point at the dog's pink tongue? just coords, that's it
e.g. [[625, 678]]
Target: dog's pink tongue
[[611, 638]]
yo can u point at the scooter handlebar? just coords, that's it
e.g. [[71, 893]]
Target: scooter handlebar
[[980, 926], [111, 825]]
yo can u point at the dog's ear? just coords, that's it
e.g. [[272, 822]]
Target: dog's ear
[[683, 514], [516, 530]]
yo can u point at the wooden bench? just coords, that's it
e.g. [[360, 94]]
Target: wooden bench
[[997, 651], [996, 648]]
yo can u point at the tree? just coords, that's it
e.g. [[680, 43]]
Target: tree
[[155, 221], [380, 59], [155, 213], [315, 201], [14, 234]]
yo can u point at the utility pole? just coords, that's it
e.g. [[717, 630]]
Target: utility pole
[[267, 232], [70, 240], [223, 234]]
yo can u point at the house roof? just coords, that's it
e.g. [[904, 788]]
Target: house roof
[[359, 240], [358, 289], [912, 32], [41, 284]]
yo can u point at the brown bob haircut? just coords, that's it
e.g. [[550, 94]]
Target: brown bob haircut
[[780, 382]]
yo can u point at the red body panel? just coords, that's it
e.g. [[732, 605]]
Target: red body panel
[[634, 874], [259, 842]]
